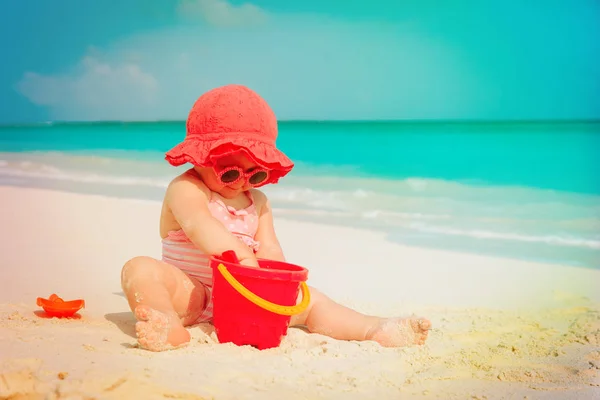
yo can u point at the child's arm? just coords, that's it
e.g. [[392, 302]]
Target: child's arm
[[187, 199], [270, 248]]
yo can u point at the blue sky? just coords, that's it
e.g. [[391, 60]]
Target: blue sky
[[149, 60]]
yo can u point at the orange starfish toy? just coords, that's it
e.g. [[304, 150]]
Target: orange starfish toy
[[57, 307]]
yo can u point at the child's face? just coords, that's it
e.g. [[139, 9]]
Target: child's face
[[211, 179]]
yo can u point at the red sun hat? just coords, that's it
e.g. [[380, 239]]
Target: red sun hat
[[228, 120]]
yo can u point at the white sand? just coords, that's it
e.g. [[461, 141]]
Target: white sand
[[502, 328]]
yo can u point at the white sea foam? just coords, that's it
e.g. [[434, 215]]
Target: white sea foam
[[482, 234], [27, 169], [434, 207]]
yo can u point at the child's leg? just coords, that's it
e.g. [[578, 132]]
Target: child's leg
[[329, 318], [163, 299]]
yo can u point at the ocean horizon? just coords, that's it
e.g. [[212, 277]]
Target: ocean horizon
[[520, 189], [432, 121]]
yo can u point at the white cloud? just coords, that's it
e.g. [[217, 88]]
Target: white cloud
[[95, 90], [304, 66], [317, 67], [220, 13]]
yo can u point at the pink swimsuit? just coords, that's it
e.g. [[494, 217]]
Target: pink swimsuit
[[180, 252]]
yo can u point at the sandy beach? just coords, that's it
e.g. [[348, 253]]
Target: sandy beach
[[503, 328]]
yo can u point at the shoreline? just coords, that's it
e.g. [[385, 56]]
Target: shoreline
[[478, 242], [502, 328]]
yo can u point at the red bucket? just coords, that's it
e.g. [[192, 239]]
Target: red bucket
[[253, 306]]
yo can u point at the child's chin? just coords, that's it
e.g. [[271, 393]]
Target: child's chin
[[229, 193]]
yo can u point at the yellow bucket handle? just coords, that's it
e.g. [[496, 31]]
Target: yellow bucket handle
[[267, 305]]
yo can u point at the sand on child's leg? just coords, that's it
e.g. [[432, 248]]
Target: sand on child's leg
[[164, 300], [158, 331], [400, 332], [326, 317]]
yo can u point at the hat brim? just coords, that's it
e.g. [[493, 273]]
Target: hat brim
[[205, 153]]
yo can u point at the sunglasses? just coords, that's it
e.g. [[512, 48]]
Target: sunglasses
[[233, 174]]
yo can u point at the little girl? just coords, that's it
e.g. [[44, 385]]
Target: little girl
[[214, 207]]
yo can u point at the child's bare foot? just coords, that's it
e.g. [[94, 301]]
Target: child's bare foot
[[400, 332], [157, 332]]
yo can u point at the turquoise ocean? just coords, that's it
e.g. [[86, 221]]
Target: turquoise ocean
[[526, 190]]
